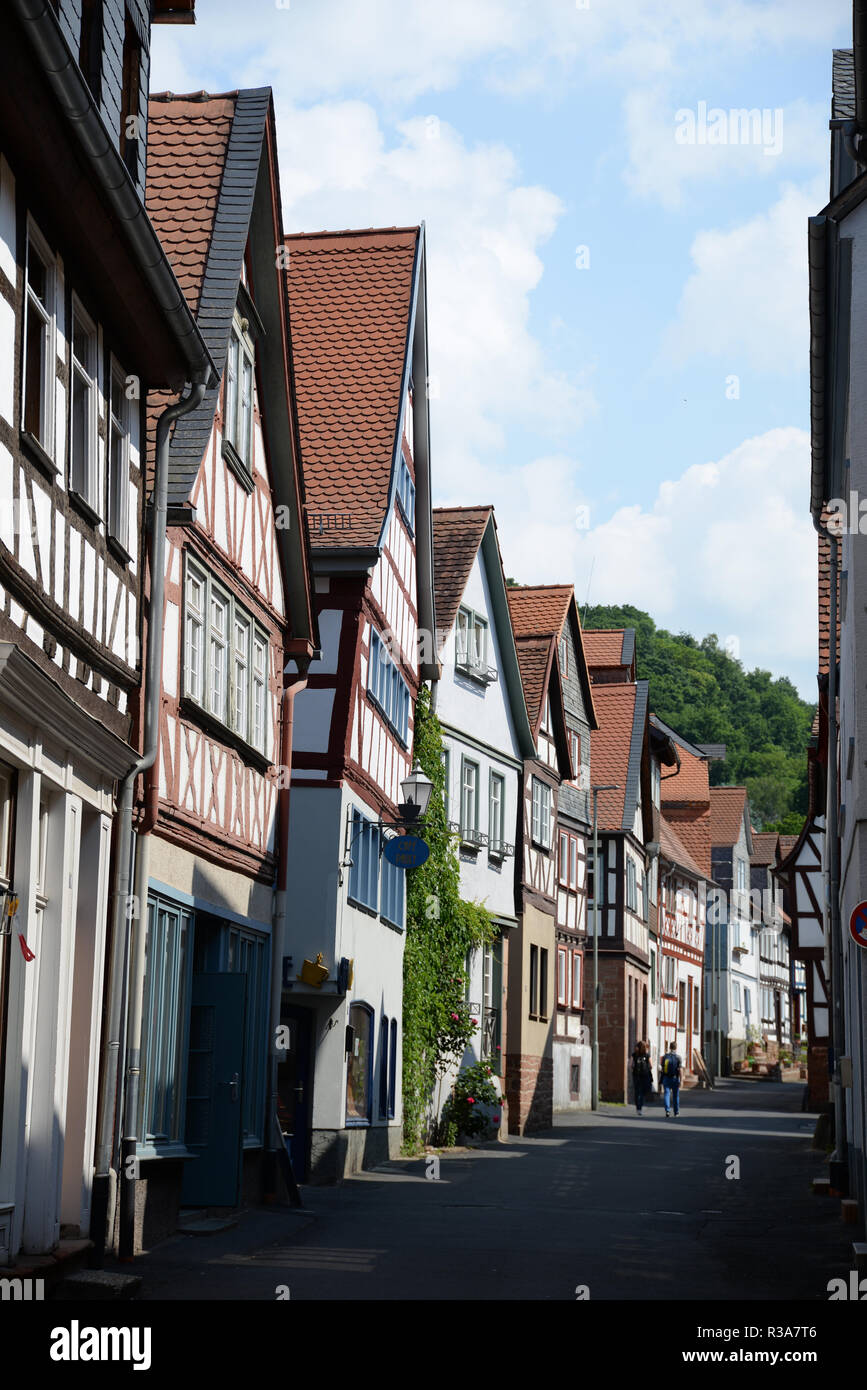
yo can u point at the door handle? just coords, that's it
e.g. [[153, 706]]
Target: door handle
[[235, 1087], [299, 1091]]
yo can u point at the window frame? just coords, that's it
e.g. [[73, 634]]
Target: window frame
[[541, 817], [469, 832], [577, 994], [562, 977], [363, 877], [496, 814], [405, 493], [357, 1007], [89, 493], [117, 473], [476, 631], [239, 427], [534, 981], [386, 687], [165, 1006], [563, 651], [392, 899], [48, 316], [202, 698]]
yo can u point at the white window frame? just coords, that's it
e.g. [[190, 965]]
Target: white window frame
[[87, 488], [47, 314], [240, 364], [496, 812], [564, 656], [203, 641], [562, 977], [472, 652], [576, 982], [118, 469], [541, 813], [469, 798], [406, 493]]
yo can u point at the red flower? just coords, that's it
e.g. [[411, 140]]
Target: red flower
[[470, 1100]]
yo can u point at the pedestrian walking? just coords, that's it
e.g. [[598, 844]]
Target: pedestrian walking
[[642, 1075], [669, 1076]]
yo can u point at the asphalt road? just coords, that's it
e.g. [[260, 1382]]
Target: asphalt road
[[628, 1207]]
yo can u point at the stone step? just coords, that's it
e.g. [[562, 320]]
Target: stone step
[[97, 1285]]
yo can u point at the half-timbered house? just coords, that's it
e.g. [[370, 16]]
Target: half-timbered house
[[238, 627], [532, 1001], [357, 302], [731, 925], [92, 317], [775, 972], [551, 611], [479, 701]]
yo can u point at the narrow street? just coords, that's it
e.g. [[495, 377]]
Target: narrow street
[[633, 1208]]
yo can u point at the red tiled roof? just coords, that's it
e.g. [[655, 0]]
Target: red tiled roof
[[764, 847], [349, 297], [694, 831], [689, 783], [603, 646], [726, 814], [610, 746], [533, 657], [539, 610], [787, 844], [673, 848], [457, 535], [188, 137]]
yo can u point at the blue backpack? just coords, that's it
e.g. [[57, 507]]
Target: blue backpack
[[671, 1067]]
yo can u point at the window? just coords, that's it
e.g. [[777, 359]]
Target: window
[[471, 642], [564, 858], [384, 1038], [359, 1063], [446, 757], [406, 492], [392, 1069], [82, 416], [695, 1008], [166, 989], [534, 981], [118, 458], [37, 391], [645, 900], [668, 980], [496, 812], [541, 822], [655, 781], [391, 899], [653, 977], [364, 854], [573, 861], [543, 983], [575, 754], [742, 876], [225, 658], [7, 824], [387, 687], [564, 656], [90, 47], [238, 404], [631, 886], [577, 982], [681, 1005], [130, 113], [747, 1001], [562, 976], [469, 799]]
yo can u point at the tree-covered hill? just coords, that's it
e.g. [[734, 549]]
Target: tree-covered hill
[[708, 697]]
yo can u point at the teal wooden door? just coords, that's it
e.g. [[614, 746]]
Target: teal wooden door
[[215, 1079]]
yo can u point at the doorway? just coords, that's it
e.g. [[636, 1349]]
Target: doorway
[[295, 1087]]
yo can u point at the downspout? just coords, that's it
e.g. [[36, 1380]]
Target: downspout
[[122, 903], [293, 687], [138, 925]]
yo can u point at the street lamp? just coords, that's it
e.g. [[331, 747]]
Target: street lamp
[[594, 1081], [416, 790]]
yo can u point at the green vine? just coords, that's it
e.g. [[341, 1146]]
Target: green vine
[[440, 930]]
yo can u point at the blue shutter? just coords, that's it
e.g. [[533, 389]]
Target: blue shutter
[[383, 1068], [373, 673], [392, 1068]]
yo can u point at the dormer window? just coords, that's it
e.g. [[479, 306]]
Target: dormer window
[[225, 658], [90, 46], [238, 406], [130, 101]]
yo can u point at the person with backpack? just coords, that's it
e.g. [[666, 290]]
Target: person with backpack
[[642, 1075], [669, 1076]]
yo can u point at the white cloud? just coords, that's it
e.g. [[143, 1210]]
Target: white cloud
[[484, 230], [728, 547], [746, 298], [661, 161]]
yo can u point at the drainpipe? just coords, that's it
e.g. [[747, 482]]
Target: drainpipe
[[295, 684], [131, 927]]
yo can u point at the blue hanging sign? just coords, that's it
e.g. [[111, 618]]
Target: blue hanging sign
[[406, 851]]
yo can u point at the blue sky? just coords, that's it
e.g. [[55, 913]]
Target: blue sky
[[644, 418]]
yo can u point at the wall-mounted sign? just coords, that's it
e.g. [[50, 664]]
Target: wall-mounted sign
[[406, 851], [858, 924]]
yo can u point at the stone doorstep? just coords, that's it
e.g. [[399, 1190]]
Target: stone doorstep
[[97, 1285], [61, 1262]]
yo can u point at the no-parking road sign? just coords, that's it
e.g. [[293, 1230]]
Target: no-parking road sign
[[858, 925]]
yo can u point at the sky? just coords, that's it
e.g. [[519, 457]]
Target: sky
[[617, 268]]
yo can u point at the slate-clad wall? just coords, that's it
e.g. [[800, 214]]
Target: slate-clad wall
[[573, 802], [114, 25]]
